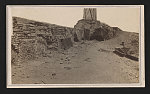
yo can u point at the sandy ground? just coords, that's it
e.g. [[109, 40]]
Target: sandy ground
[[89, 62]]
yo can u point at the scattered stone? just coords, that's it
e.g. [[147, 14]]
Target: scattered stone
[[27, 76], [68, 68], [54, 74], [87, 59], [69, 62]]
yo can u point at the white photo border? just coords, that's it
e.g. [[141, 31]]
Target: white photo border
[[141, 52]]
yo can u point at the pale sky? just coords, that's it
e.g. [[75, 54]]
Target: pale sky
[[126, 18]]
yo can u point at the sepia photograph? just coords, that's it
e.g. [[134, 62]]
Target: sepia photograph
[[75, 46]]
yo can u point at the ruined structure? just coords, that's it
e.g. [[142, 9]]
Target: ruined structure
[[32, 38], [90, 28]]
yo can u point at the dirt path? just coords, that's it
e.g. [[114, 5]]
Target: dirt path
[[85, 63]]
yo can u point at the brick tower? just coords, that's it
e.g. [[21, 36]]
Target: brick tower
[[90, 14]]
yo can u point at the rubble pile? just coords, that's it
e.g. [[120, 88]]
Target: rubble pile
[[93, 29], [129, 40], [133, 44]]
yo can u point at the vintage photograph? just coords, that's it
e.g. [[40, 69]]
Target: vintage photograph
[[75, 46]]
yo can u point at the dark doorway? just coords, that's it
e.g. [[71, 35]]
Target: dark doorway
[[86, 34], [98, 35]]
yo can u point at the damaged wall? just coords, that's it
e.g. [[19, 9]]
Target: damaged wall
[[32, 38]]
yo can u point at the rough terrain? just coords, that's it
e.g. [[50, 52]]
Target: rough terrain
[[38, 57], [87, 62]]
